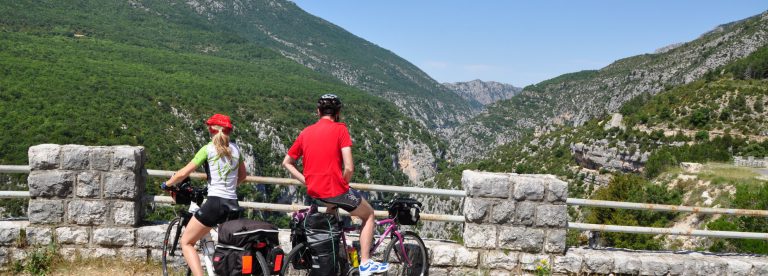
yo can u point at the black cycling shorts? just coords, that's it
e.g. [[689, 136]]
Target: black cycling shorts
[[215, 210], [347, 201]]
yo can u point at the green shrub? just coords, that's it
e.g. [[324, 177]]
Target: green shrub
[[702, 135], [633, 188], [746, 197]]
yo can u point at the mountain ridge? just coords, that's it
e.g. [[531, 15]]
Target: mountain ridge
[[324, 47], [482, 93], [573, 98]]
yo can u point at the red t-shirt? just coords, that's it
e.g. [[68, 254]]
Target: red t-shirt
[[320, 144]]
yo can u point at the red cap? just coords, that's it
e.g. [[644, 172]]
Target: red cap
[[220, 120]]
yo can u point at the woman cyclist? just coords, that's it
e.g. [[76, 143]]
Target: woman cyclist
[[325, 146], [227, 172]]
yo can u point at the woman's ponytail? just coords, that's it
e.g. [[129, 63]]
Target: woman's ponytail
[[221, 142]]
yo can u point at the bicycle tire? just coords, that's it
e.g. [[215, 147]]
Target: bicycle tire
[[299, 267], [265, 271], [169, 241], [416, 252]]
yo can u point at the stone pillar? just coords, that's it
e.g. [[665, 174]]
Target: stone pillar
[[514, 217], [85, 197]]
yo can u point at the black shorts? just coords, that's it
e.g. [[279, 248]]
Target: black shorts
[[347, 201], [215, 210]]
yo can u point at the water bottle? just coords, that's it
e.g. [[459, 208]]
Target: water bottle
[[352, 252], [193, 207]]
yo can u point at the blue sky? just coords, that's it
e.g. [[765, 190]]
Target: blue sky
[[525, 42]]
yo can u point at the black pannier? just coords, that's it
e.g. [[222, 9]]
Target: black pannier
[[321, 232], [238, 241], [299, 236], [241, 232], [275, 260], [405, 211], [233, 261]]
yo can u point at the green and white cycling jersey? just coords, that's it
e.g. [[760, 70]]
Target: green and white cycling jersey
[[223, 182]]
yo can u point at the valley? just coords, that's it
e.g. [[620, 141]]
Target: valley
[[77, 74]]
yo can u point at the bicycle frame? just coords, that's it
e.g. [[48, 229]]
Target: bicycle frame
[[391, 229], [205, 259]]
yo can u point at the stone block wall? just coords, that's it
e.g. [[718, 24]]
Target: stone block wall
[[512, 223], [750, 161], [80, 186], [85, 199]]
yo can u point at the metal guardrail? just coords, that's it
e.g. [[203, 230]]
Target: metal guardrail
[[664, 208], [455, 193], [277, 181], [14, 169], [357, 186], [667, 231], [286, 208]]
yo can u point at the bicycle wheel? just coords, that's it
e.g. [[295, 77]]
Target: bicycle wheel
[[298, 262], [263, 266], [415, 251], [172, 259]]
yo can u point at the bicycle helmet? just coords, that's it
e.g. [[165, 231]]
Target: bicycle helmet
[[329, 104]]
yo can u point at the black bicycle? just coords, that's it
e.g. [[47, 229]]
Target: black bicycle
[[186, 194]]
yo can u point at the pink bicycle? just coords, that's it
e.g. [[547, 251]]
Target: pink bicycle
[[406, 252]]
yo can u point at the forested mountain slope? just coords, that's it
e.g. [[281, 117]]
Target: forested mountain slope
[[327, 48], [634, 156], [107, 73], [224, 27], [572, 99]]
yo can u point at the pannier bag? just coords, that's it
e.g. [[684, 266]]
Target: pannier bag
[[298, 236], [239, 240], [241, 232], [405, 211], [321, 232], [233, 261], [275, 260]]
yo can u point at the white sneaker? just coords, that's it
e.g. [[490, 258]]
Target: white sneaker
[[370, 267]]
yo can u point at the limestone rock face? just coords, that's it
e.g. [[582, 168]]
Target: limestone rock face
[[415, 160], [689, 167], [600, 155], [483, 92], [573, 99]]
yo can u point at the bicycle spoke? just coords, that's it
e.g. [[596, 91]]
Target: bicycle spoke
[[172, 260], [409, 258], [297, 262]]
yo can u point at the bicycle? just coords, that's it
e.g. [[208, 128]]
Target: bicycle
[[185, 194], [410, 254]]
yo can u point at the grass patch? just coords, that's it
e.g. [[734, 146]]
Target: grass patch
[[105, 266], [719, 173]]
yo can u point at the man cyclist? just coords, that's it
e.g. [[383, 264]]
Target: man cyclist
[[324, 147]]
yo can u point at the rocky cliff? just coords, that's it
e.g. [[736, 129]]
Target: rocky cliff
[[600, 155], [482, 93], [572, 99]]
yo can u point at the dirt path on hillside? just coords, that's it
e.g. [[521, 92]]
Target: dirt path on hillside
[[691, 133]]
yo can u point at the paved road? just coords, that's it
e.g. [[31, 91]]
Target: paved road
[[763, 171]]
